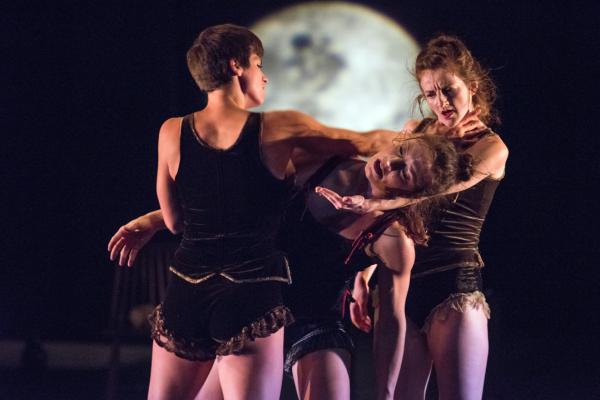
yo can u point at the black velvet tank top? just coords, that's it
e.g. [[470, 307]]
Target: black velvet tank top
[[232, 209], [454, 234]]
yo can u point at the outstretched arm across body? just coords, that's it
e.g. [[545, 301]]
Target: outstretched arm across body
[[489, 160], [299, 138]]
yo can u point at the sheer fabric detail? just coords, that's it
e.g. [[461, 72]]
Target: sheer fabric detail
[[458, 302]]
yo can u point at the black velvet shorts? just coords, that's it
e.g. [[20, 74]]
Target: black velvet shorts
[[217, 317], [428, 291], [309, 335]]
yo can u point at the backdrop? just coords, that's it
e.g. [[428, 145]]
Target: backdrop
[[87, 85]]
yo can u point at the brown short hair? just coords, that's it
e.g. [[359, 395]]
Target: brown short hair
[[444, 51], [208, 58]]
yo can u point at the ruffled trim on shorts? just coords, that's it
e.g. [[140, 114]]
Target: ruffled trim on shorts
[[459, 303], [193, 350], [270, 323]]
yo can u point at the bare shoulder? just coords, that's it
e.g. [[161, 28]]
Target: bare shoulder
[[169, 135], [411, 125], [171, 127], [395, 237], [395, 249], [491, 145], [490, 155]]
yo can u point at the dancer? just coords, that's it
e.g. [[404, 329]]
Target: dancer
[[317, 240], [446, 307], [221, 179]]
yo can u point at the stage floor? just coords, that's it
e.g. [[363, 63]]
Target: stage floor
[[521, 366]]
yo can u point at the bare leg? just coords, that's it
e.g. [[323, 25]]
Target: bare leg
[[172, 377], [256, 374], [459, 348], [211, 390], [416, 366], [323, 374]]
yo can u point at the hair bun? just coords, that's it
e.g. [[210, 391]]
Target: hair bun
[[465, 167]]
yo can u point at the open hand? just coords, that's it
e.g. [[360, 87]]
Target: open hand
[[129, 239], [357, 204], [360, 204]]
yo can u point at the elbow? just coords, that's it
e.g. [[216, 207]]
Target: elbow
[[173, 223], [505, 153], [392, 318], [174, 227], [175, 230]]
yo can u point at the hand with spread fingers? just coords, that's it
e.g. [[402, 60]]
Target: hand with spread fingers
[[468, 129], [359, 204]]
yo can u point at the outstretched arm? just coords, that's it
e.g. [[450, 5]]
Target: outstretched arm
[[489, 155], [286, 134], [131, 237], [359, 204], [396, 252]]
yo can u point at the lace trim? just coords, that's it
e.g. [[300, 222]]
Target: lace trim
[[270, 323], [193, 350], [457, 302]]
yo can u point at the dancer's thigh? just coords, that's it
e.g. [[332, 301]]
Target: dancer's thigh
[[459, 348], [323, 374], [172, 377], [257, 373], [416, 365]]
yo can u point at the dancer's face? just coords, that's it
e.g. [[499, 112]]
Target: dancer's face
[[400, 169], [447, 95], [253, 82]]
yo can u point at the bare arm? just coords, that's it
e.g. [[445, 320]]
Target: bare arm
[[489, 155], [396, 251], [313, 136], [288, 134], [168, 163], [126, 243]]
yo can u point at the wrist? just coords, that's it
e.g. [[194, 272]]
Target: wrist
[[153, 220]]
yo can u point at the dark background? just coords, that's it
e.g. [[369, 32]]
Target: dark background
[[87, 85]]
